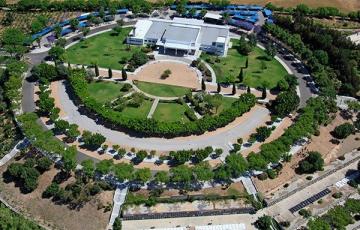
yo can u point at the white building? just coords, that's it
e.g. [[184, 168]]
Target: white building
[[181, 36]]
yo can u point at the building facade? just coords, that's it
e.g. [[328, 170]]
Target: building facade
[[180, 36]]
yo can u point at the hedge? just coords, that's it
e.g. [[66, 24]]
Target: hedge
[[151, 127]]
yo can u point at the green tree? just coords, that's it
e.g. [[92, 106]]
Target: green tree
[[236, 164], [69, 159], [318, 224], [270, 50], [104, 166], [312, 163], [203, 171], [286, 102], [85, 31], [96, 70], [117, 30], [203, 86], [88, 168], [57, 53], [74, 23], [181, 174], [117, 224], [44, 164], [161, 177], [124, 74], [110, 73], [241, 75], [142, 175], [218, 88], [124, 171], [72, 132], [233, 89], [61, 126], [13, 41], [57, 30], [264, 222], [344, 130]]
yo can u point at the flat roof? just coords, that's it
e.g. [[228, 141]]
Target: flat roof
[[222, 227], [141, 28], [181, 33], [221, 40], [181, 30], [213, 16]]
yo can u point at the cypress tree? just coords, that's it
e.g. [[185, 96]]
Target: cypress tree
[[241, 75], [110, 73], [203, 86], [96, 71], [248, 89], [263, 95], [218, 87], [234, 89], [247, 62], [124, 74]]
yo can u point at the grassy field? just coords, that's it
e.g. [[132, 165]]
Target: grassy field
[[107, 50], [226, 103], [162, 90], [255, 75], [140, 112], [105, 91], [170, 112]]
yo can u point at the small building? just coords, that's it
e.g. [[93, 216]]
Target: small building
[[181, 36], [213, 18]]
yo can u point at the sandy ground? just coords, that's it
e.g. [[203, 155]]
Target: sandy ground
[[181, 74], [52, 215], [322, 144], [185, 206]]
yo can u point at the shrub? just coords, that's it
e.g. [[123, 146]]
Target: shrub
[[262, 176], [337, 195], [344, 130], [305, 213], [160, 128]]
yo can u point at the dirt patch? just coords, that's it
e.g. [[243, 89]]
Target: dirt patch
[[322, 144], [181, 74], [52, 215]]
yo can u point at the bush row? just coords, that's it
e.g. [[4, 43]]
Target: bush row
[[152, 127]]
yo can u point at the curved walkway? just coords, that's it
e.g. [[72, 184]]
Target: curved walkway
[[218, 139]]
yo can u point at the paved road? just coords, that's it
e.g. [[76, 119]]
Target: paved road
[[219, 139]]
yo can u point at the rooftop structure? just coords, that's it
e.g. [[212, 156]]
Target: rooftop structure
[[181, 36]]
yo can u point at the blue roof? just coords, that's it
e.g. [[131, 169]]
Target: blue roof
[[122, 11], [267, 12], [66, 31], [241, 24], [83, 24], [246, 12]]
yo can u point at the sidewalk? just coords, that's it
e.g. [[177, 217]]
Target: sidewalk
[[13, 152], [119, 199]]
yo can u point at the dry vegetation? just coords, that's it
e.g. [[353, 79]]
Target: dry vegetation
[[343, 5], [57, 216], [23, 20]]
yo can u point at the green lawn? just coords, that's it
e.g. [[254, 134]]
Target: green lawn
[[140, 112], [107, 50], [103, 91], [226, 103], [162, 90], [228, 68], [170, 112]]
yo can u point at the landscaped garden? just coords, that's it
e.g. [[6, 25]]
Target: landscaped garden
[[261, 69], [107, 50], [162, 90]]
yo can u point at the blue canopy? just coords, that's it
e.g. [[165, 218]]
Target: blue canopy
[[66, 31]]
